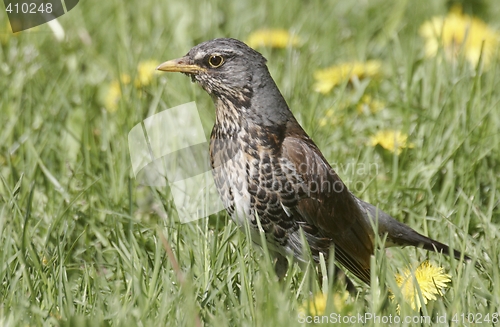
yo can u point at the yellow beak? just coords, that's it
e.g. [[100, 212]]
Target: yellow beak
[[180, 65]]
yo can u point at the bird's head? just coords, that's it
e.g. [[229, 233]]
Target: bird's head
[[237, 78], [220, 66]]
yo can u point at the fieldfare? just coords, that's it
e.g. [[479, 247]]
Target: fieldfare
[[271, 176]]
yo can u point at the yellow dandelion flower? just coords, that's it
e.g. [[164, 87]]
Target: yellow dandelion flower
[[369, 104], [145, 72], [315, 306], [115, 93], [273, 38], [394, 141], [458, 33], [328, 78], [340, 299], [113, 96], [430, 279]]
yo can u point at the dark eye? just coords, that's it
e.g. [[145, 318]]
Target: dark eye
[[215, 61]]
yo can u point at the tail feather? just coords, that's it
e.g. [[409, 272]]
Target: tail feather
[[403, 235], [419, 240]]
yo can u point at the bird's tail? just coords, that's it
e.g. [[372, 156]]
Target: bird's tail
[[416, 239], [403, 235]]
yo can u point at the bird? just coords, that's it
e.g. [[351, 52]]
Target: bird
[[272, 177]]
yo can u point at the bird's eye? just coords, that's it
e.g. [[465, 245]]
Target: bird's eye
[[215, 61]]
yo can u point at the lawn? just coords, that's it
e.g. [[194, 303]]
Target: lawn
[[84, 243]]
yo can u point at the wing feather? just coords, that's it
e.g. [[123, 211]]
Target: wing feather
[[327, 204]]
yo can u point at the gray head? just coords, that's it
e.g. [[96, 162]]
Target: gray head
[[220, 64], [234, 74]]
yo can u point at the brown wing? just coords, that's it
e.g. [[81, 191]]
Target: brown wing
[[327, 204]]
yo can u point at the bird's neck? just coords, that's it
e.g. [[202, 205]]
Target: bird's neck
[[228, 119], [258, 107]]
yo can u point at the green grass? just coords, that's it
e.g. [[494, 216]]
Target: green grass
[[84, 244]]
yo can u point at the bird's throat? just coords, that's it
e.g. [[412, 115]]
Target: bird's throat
[[228, 119]]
